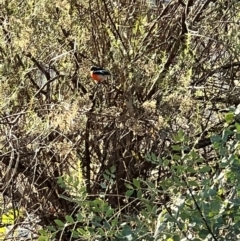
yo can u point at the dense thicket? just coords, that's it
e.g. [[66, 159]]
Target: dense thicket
[[176, 67]]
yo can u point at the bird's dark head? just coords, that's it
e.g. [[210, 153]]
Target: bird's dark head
[[95, 68]]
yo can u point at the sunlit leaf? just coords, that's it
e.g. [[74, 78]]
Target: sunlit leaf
[[129, 193], [205, 169], [59, 222], [136, 183], [229, 117], [139, 194], [69, 219], [128, 185]]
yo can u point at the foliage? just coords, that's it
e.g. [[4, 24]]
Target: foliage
[[9, 225], [199, 202]]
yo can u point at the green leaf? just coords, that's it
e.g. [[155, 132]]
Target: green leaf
[[106, 177], [51, 228], [176, 180], [129, 193], [70, 179], [96, 224], [184, 215], [220, 191], [160, 161], [126, 233], [229, 117], [59, 222], [79, 217], [203, 233], [194, 155], [238, 136], [150, 184], [113, 169], [165, 163], [101, 232], [103, 185], [179, 137], [76, 183], [136, 183], [216, 139], [43, 232], [108, 173], [154, 209], [205, 169], [212, 191], [237, 125], [176, 157], [191, 170], [128, 186], [109, 212], [176, 147], [226, 133], [200, 160], [148, 157], [196, 219], [75, 234], [43, 238], [106, 225], [192, 183], [153, 157], [176, 238], [82, 232], [139, 194], [114, 222], [69, 219]]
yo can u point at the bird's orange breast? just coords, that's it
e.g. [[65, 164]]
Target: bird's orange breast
[[97, 77]]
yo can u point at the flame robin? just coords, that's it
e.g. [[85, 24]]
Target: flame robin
[[99, 74]]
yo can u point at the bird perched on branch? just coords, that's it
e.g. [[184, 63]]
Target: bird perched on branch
[[99, 74]]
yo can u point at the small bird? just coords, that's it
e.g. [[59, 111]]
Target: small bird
[[99, 74]]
